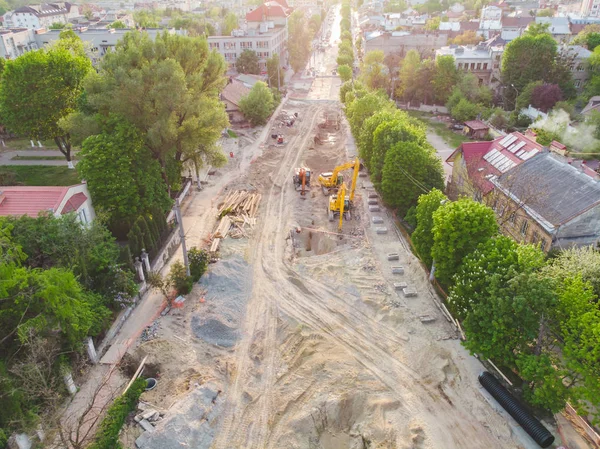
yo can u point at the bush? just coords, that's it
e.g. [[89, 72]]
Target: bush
[[179, 279], [107, 436], [198, 262], [3, 438]]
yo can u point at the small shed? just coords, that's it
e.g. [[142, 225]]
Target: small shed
[[476, 129]]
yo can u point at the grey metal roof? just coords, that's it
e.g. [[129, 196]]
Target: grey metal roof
[[552, 188]]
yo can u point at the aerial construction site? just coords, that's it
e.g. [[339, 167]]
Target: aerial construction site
[[310, 331]]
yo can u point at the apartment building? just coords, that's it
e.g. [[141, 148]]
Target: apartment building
[[590, 8], [265, 34], [15, 42], [39, 16]]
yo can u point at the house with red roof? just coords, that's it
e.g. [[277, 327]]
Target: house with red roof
[[17, 201], [231, 96]]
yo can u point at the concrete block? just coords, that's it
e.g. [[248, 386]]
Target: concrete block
[[374, 209], [149, 414], [397, 270], [377, 220], [427, 319], [409, 292], [400, 285], [393, 256], [372, 195], [372, 202], [146, 426], [381, 230]]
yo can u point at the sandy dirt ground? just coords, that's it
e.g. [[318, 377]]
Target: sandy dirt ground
[[299, 339]]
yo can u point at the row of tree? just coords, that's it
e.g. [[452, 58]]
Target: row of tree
[[537, 317], [301, 32], [59, 283], [151, 107]]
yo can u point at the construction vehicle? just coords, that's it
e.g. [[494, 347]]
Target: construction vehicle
[[339, 206], [302, 180], [334, 179]]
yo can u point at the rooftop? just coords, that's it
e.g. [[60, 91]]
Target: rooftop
[[562, 192], [266, 10], [234, 91], [476, 125], [18, 200]]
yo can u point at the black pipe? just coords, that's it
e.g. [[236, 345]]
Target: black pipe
[[532, 426]]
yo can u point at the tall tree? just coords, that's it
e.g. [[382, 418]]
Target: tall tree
[[345, 72], [123, 178], [247, 62], [362, 108], [169, 89], [230, 23], [258, 105], [374, 74], [38, 89], [458, 227], [299, 40], [422, 238], [410, 169], [365, 138], [409, 76], [275, 72]]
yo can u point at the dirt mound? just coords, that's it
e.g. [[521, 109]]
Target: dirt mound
[[214, 332]]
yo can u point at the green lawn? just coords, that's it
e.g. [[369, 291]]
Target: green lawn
[[24, 144], [452, 138], [38, 175]]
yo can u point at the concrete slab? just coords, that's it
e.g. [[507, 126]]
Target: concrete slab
[[374, 209], [372, 195], [400, 285], [114, 353], [398, 270], [409, 292], [393, 256], [377, 220], [381, 230], [372, 202]]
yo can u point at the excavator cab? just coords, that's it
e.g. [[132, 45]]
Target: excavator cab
[[302, 180], [333, 180], [339, 206]]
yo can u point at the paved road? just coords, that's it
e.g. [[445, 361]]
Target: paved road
[[442, 149], [6, 158]]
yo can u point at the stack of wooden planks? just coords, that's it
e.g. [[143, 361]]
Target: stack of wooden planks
[[238, 209]]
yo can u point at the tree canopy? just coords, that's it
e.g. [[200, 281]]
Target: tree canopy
[[258, 105], [422, 237], [247, 62]]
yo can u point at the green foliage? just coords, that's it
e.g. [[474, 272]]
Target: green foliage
[[56, 26], [258, 105], [198, 259], [123, 178], [275, 73], [299, 40], [345, 59], [89, 251], [445, 78], [38, 89], [118, 25], [168, 88], [373, 72], [410, 169], [230, 23], [179, 280], [247, 62], [544, 137], [411, 217], [458, 227], [402, 129], [364, 107], [573, 262], [367, 131], [593, 40], [524, 98], [433, 24], [464, 111], [145, 18], [422, 238], [107, 436], [345, 72]]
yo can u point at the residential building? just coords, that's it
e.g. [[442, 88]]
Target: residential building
[[489, 28], [482, 60], [15, 42], [590, 8], [39, 16], [547, 201], [513, 27], [401, 42], [491, 12], [231, 96], [20, 200], [559, 27], [593, 105], [265, 33], [539, 196], [578, 58]]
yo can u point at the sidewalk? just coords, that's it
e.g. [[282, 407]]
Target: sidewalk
[[6, 158]]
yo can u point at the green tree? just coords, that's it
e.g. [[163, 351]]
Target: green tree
[[274, 71], [458, 227], [124, 180], [168, 88], [118, 25], [258, 105], [345, 59], [464, 111], [365, 138], [345, 72], [299, 41], [247, 62], [374, 74], [433, 24], [230, 23], [410, 169], [570, 263], [409, 76], [468, 37], [56, 26], [445, 78], [401, 129], [422, 237], [524, 98], [145, 18], [362, 108], [38, 89], [547, 12]]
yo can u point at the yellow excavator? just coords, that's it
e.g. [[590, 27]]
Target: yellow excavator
[[340, 204], [333, 180]]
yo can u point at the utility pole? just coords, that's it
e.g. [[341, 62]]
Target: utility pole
[[182, 235]]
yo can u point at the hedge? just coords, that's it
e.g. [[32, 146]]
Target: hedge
[[107, 436]]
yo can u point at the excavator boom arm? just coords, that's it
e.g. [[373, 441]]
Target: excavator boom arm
[[340, 168]]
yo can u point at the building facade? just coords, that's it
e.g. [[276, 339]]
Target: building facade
[[401, 42], [590, 8], [39, 16], [15, 42]]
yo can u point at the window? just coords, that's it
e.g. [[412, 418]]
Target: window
[[460, 65], [524, 226], [479, 66], [580, 68], [472, 66], [535, 237], [543, 245], [83, 216], [485, 66], [578, 83], [512, 218]]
